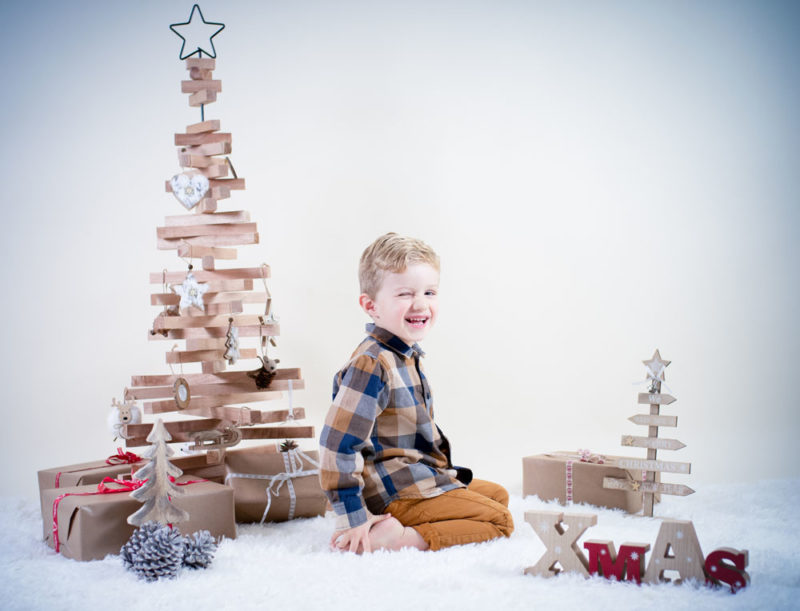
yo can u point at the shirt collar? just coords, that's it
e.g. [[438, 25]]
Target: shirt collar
[[390, 340]]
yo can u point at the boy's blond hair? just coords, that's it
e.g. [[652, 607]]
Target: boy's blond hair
[[391, 253]]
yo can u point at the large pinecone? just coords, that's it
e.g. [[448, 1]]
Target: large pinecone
[[154, 551], [199, 550]]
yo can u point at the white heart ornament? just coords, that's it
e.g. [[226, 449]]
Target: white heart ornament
[[189, 188]]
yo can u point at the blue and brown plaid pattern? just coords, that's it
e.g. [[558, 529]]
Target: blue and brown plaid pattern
[[379, 442]]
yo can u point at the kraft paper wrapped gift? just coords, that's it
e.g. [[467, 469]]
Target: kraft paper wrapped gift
[[122, 463], [274, 486], [547, 476], [92, 525]]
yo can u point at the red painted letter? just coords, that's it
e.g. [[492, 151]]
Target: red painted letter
[[727, 565], [604, 559]]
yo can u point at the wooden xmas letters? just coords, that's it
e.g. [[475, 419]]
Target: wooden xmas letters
[[676, 549]]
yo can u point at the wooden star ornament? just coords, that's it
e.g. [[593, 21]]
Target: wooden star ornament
[[656, 366]]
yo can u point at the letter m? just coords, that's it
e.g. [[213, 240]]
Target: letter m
[[628, 564]]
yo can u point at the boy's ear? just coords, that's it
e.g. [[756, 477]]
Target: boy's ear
[[367, 304]]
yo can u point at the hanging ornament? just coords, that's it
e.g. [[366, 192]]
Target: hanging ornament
[[190, 291], [264, 374], [121, 414], [182, 393], [232, 344], [189, 188]]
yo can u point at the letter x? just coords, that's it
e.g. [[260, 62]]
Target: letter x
[[560, 534]]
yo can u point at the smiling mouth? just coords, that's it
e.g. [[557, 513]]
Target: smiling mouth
[[417, 321]]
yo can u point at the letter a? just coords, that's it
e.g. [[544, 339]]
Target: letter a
[[561, 543], [686, 558]]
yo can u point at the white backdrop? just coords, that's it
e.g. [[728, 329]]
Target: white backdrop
[[600, 179]]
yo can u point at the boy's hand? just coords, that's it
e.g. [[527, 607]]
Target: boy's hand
[[356, 539]]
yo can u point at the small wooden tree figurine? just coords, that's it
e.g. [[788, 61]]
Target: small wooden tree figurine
[[653, 420], [156, 492]]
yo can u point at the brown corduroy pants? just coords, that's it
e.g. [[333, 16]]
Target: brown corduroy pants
[[465, 515]]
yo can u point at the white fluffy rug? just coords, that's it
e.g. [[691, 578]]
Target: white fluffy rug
[[288, 566]]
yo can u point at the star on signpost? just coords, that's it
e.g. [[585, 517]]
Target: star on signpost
[[197, 34], [655, 367]]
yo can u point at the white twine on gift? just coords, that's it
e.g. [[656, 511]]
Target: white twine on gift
[[293, 462]]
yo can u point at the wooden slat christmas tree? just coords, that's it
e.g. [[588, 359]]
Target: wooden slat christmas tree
[[205, 308], [655, 399]]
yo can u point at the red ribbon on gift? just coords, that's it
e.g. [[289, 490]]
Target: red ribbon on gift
[[125, 485], [122, 457]]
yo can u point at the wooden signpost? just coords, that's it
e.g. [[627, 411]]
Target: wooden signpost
[[205, 308], [651, 465]]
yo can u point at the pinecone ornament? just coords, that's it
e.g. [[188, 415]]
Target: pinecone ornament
[[154, 551], [199, 550]]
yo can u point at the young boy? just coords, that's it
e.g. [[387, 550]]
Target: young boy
[[385, 465]]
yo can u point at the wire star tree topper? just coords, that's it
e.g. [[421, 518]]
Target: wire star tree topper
[[197, 34]]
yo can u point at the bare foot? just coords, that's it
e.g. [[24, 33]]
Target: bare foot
[[392, 535]]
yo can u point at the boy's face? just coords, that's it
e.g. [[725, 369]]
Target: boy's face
[[407, 302]]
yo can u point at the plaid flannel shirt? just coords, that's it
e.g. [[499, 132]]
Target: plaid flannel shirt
[[379, 442]]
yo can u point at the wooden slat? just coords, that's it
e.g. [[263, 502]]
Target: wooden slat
[[217, 218], [234, 184], [201, 63], [613, 483], [191, 322], [207, 205], [227, 377], [213, 148], [206, 344], [212, 125], [232, 307], [214, 366], [198, 98], [244, 416], [656, 420], [195, 139], [658, 443], [173, 428], [210, 298], [226, 254], [654, 465], [186, 160], [201, 332], [214, 171], [220, 192], [233, 273], [197, 356], [655, 398], [162, 407], [278, 432], [206, 229], [237, 386], [220, 240], [267, 432], [193, 86]]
